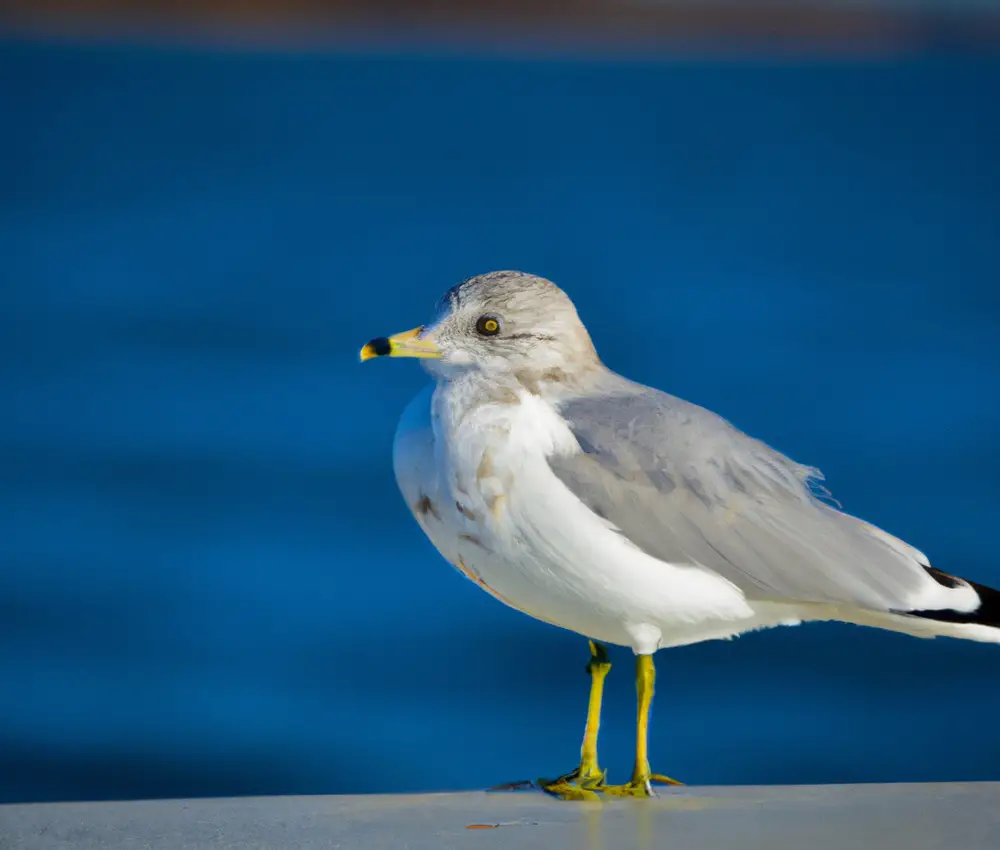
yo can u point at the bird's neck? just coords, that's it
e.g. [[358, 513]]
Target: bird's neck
[[474, 386]]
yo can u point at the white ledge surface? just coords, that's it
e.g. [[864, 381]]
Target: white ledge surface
[[959, 816]]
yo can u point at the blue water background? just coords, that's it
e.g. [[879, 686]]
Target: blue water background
[[208, 582]]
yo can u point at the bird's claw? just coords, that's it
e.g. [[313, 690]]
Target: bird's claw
[[639, 786], [568, 787], [520, 785]]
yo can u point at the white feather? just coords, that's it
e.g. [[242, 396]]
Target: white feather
[[496, 511]]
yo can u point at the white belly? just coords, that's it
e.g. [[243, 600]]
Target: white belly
[[486, 498]]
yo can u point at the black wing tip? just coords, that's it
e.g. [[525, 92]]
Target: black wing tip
[[987, 614], [942, 578]]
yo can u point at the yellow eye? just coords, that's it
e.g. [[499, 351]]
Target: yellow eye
[[488, 326]]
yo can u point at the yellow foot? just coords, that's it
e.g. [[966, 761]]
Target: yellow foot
[[566, 790], [638, 786], [579, 784]]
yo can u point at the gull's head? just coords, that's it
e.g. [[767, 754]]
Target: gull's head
[[501, 322]]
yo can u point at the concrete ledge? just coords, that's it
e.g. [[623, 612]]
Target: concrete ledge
[[844, 817]]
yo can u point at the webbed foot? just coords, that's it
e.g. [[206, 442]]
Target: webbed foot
[[641, 786]]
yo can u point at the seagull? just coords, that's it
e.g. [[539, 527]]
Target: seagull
[[627, 515]]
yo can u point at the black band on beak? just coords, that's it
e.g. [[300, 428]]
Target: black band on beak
[[380, 346]]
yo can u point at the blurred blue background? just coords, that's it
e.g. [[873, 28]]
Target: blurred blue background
[[208, 582]]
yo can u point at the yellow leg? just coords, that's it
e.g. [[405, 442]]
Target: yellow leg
[[581, 783], [598, 667], [641, 783]]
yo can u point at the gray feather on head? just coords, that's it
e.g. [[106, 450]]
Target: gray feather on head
[[515, 323]]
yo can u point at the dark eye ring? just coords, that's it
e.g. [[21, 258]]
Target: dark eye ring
[[488, 325]]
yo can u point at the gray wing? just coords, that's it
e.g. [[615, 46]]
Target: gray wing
[[684, 485]]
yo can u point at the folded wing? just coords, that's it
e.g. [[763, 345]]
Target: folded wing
[[684, 485]]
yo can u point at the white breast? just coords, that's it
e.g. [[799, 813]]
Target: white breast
[[478, 483]]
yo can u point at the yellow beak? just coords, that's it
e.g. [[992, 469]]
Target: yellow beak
[[406, 344]]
